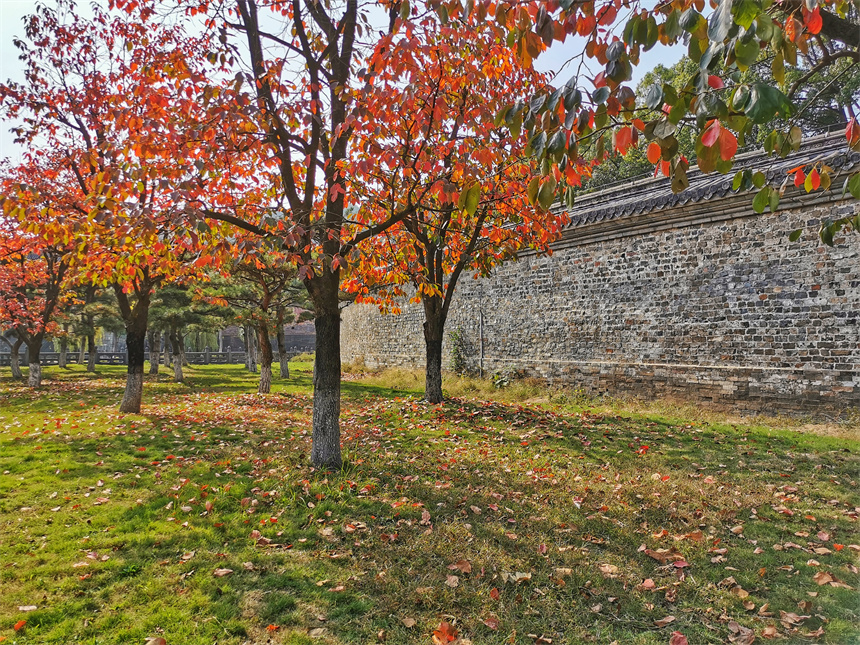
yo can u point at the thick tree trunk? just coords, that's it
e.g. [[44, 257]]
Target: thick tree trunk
[[265, 358], [154, 352], [91, 359], [34, 349], [282, 346], [135, 340], [434, 327], [181, 338], [178, 377], [15, 359], [136, 319], [325, 452], [64, 348]]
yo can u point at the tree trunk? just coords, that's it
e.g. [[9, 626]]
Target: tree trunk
[[434, 327], [64, 348], [168, 349], [91, 359], [154, 352], [34, 349], [178, 377], [250, 349], [82, 350], [325, 451], [15, 359], [135, 341], [282, 346], [265, 358], [181, 338]]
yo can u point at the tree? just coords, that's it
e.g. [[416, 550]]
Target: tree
[[449, 85], [260, 290], [35, 262], [720, 106], [99, 93]]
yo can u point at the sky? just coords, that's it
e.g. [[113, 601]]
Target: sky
[[11, 25]]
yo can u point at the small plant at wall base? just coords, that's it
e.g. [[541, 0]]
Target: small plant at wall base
[[459, 353]]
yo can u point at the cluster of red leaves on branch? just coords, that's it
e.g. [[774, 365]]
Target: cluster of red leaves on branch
[[470, 183], [719, 104]]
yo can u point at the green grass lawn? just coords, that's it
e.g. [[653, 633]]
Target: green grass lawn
[[514, 521]]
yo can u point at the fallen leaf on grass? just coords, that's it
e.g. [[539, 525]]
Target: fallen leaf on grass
[[492, 622], [220, 573], [678, 639], [608, 570], [28, 608], [452, 581], [664, 555], [408, 623], [740, 634], [517, 577], [19, 625], [770, 632], [155, 640], [826, 578], [464, 566], [664, 621], [317, 632], [337, 589], [443, 634], [494, 593]]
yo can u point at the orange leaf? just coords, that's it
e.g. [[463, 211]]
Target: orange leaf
[[19, 625], [728, 144], [443, 634], [654, 152]]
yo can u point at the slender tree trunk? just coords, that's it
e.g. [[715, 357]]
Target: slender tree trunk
[[15, 359], [154, 352], [168, 349], [251, 349], [34, 349], [265, 358], [325, 452], [282, 346], [178, 377], [182, 355], [64, 348], [82, 350], [91, 359], [434, 327]]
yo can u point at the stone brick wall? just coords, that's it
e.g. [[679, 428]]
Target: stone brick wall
[[704, 302]]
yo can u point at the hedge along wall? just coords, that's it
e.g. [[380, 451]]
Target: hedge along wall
[[698, 300]]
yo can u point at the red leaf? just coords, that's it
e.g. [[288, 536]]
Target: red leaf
[[678, 639], [494, 593], [717, 83], [711, 133], [728, 145], [815, 178], [852, 132], [813, 20], [799, 178], [654, 152]]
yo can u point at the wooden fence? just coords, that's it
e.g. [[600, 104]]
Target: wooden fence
[[120, 358]]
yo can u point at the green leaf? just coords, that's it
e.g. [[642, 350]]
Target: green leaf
[[745, 11], [760, 200], [853, 184], [766, 102], [795, 235], [546, 194], [500, 115], [689, 20], [538, 144], [557, 145], [532, 190], [600, 95], [720, 22], [759, 179], [826, 232], [654, 97], [746, 53], [738, 180], [404, 9], [473, 197], [672, 27], [773, 199]]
